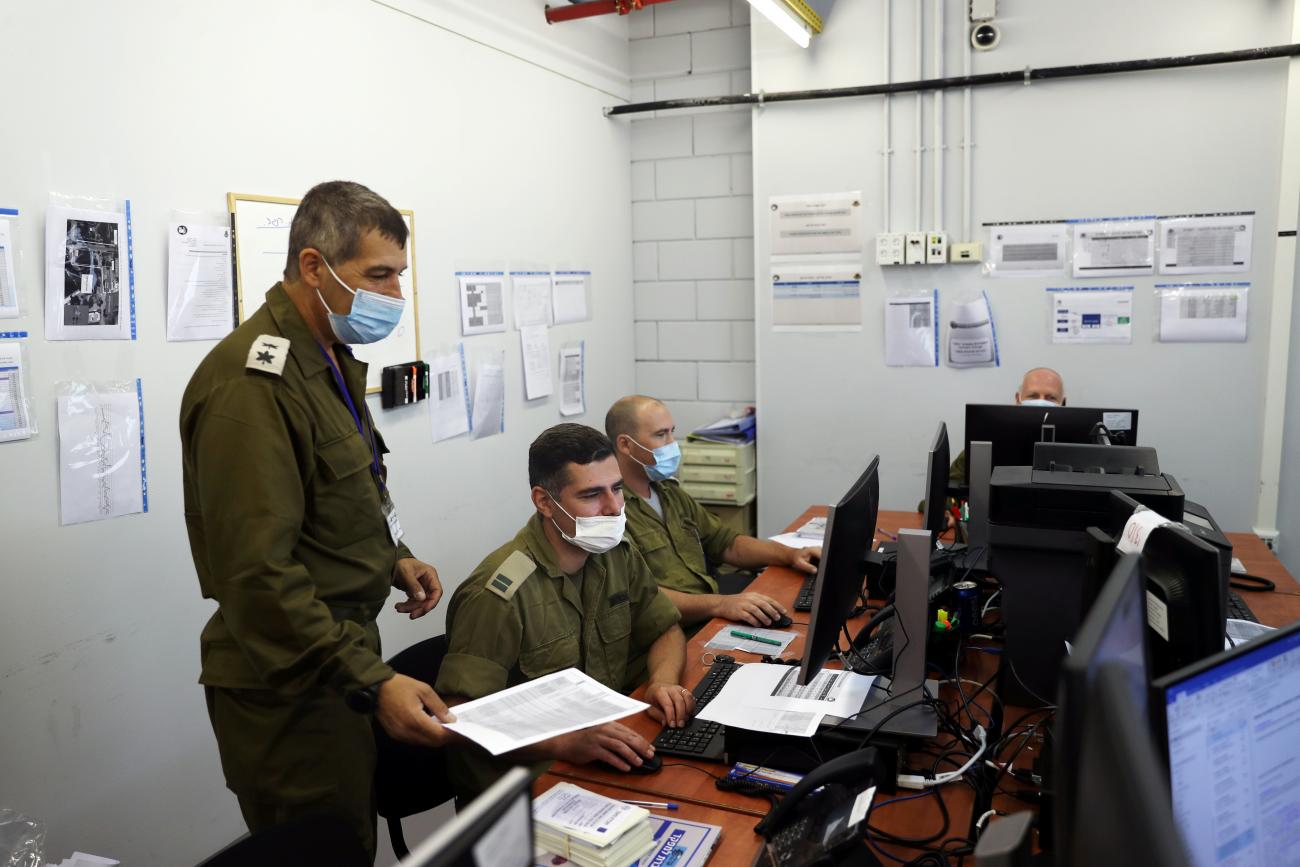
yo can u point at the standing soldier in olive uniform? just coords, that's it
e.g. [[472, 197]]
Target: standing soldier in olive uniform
[[293, 532], [566, 592], [678, 537]]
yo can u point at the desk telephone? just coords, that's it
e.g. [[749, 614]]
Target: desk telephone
[[823, 820]]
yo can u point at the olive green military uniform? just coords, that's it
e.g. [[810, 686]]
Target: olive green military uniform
[[956, 477], [518, 617], [285, 527], [682, 544]]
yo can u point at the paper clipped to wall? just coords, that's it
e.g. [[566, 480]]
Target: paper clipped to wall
[[1092, 315]]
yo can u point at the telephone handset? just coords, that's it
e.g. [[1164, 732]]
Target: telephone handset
[[822, 821]]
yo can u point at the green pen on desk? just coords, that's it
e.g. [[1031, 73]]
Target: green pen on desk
[[751, 637]]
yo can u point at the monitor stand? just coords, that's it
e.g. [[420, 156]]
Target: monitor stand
[[911, 630], [980, 466]]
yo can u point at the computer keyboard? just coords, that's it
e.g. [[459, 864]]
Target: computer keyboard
[[700, 739], [1237, 608], [803, 602]]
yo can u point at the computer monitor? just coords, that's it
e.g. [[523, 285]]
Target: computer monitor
[[850, 526], [1112, 633], [1184, 598], [496, 828], [1230, 730], [936, 483], [1014, 430], [1123, 813]]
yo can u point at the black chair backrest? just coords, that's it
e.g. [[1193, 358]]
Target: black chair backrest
[[319, 839], [411, 779]]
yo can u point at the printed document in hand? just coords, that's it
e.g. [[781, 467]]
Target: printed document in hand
[[762, 697], [556, 704]]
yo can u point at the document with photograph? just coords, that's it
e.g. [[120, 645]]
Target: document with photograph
[[88, 287]]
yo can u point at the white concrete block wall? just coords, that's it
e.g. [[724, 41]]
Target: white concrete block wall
[[692, 211]]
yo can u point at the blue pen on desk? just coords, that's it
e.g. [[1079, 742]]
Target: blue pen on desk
[[655, 805], [890, 536]]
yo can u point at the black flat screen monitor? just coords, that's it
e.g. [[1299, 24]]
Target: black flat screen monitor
[[496, 828], [936, 483], [1123, 813], [1014, 430], [1184, 598], [1230, 729], [1112, 633], [850, 526]]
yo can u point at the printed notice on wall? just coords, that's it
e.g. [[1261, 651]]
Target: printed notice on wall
[[448, 394], [1202, 312], [1206, 245], [8, 283], [1092, 315], [482, 302], [573, 400], [812, 224], [1114, 248], [1029, 250], [912, 329], [200, 284], [101, 452], [817, 297]]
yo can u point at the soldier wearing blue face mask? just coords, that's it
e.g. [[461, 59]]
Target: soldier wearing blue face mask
[[680, 539], [293, 532]]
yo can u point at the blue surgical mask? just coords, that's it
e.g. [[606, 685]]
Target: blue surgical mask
[[373, 316], [1039, 402], [667, 458]]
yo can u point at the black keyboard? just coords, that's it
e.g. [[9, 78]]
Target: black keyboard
[[1237, 608], [803, 602], [700, 739]]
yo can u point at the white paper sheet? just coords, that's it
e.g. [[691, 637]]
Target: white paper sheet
[[1114, 248], [573, 394], [101, 455], [88, 290], [200, 285], [575, 812], [972, 338], [1032, 250], [809, 296], [556, 704], [8, 282], [1101, 315], [535, 347], [1203, 312], [724, 640], [448, 395], [532, 297], [912, 330], [1206, 245], [1241, 631], [816, 223], [569, 296], [760, 696], [15, 418], [792, 540], [482, 302], [489, 418]]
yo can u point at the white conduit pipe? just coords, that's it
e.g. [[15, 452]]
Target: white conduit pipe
[[920, 144], [886, 135], [937, 223]]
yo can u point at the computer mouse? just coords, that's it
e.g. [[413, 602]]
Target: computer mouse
[[647, 766], [782, 622]]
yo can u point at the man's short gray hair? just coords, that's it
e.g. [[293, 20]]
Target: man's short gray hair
[[334, 216]]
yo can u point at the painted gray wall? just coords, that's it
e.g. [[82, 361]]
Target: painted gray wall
[[1154, 143], [106, 737], [1288, 507]]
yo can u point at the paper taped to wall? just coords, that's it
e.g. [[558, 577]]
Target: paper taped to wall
[[912, 330], [101, 453], [448, 394], [972, 337], [1203, 312], [1219, 243], [1088, 315], [1114, 248], [1027, 250], [532, 297], [200, 284], [482, 302], [816, 223], [817, 297]]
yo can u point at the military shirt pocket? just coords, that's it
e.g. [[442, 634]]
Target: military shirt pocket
[[555, 655], [691, 547], [344, 503], [615, 625], [650, 542]]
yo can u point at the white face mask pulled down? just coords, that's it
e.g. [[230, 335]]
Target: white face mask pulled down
[[594, 535]]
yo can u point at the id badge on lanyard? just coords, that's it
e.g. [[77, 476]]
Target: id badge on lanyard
[[386, 507]]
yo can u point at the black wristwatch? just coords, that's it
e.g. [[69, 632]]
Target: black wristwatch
[[365, 699]]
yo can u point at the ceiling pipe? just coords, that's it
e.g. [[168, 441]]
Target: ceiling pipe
[[596, 7]]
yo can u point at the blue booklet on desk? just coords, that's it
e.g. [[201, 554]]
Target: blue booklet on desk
[[680, 843], [728, 430]]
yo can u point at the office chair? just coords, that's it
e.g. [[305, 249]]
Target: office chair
[[319, 839], [410, 779]]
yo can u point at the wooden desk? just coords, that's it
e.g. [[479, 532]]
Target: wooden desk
[[737, 844], [690, 782]]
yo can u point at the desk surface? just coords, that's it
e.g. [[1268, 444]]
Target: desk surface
[[690, 783]]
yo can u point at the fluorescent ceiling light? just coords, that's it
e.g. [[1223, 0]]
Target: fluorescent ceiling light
[[780, 14]]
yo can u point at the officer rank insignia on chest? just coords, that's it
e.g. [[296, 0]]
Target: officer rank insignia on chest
[[268, 354], [511, 575]]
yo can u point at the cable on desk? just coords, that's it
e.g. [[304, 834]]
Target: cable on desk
[[1251, 583]]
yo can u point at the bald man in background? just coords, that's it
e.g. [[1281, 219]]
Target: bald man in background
[[1040, 386]]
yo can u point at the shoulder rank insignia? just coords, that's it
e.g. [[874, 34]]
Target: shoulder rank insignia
[[511, 575], [268, 354]]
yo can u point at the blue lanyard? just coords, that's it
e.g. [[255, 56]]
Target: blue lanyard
[[356, 417]]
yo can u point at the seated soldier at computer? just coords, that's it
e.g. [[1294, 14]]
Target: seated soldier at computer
[[567, 592], [679, 538]]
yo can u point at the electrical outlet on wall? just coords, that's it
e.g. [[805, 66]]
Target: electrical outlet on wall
[[936, 248], [971, 251], [915, 248], [889, 248]]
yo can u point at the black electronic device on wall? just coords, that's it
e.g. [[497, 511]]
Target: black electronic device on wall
[[402, 384]]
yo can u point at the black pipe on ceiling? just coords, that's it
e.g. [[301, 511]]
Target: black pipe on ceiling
[[1020, 76]]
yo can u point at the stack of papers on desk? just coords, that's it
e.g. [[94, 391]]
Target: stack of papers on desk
[[762, 697], [81, 859], [678, 843], [814, 529], [774, 643], [589, 829]]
